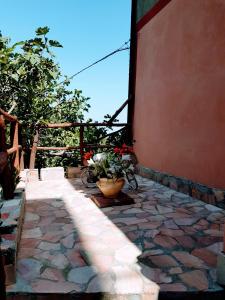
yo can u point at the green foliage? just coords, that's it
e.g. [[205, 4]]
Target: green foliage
[[31, 78], [109, 165]]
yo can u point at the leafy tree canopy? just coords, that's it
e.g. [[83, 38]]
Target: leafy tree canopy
[[30, 78], [32, 83]]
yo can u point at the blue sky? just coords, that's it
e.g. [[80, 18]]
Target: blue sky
[[88, 30]]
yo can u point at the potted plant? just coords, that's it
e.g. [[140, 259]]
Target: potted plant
[[110, 167]]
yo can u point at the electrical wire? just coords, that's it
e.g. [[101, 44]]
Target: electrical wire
[[121, 48]]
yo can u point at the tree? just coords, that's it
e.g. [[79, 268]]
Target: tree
[[30, 82]]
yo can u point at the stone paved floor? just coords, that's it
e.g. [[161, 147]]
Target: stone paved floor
[[69, 245]]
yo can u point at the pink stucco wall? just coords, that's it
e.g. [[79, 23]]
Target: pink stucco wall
[[179, 119]]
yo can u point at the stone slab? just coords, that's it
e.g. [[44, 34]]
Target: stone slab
[[56, 173]]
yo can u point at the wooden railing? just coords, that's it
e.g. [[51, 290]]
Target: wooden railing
[[82, 144], [12, 151], [11, 154]]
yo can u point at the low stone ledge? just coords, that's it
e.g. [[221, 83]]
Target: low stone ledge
[[196, 190], [12, 215]]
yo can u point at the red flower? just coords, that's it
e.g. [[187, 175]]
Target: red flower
[[88, 155], [116, 150]]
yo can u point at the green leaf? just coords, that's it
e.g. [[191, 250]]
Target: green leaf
[[15, 77], [42, 30], [53, 74], [54, 43]]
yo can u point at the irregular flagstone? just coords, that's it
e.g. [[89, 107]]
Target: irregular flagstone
[[175, 270], [61, 213], [151, 233], [29, 243], [28, 253], [29, 268], [45, 213], [164, 209], [163, 261], [54, 227], [31, 233], [21, 285], [183, 210], [216, 247], [63, 220], [206, 255], [165, 241], [173, 287], [70, 235], [52, 237], [189, 260], [216, 227], [61, 287], [171, 232], [81, 275], [203, 222], [170, 224], [186, 241], [195, 279], [185, 221], [212, 208], [149, 225], [148, 245], [157, 218], [155, 274], [214, 217], [57, 203], [134, 235], [68, 241], [59, 261], [30, 224], [214, 232], [150, 252], [49, 246], [52, 274], [133, 211], [46, 221], [31, 217], [129, 221], [208, 240], [189, 230], [75, 258]]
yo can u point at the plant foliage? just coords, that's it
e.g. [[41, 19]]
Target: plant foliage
[[31, 80]]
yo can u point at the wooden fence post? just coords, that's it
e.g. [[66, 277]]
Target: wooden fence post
[[2, 134], [16, 144], [6, 178], [22, 160], [34, 149], [81, 143]]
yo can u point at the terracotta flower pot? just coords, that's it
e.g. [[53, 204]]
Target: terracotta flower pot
[[110, 188], [85, 162]]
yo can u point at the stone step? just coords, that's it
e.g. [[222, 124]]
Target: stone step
[[55, 173]]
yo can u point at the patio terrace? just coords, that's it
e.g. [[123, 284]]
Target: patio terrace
[[69, 247]]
